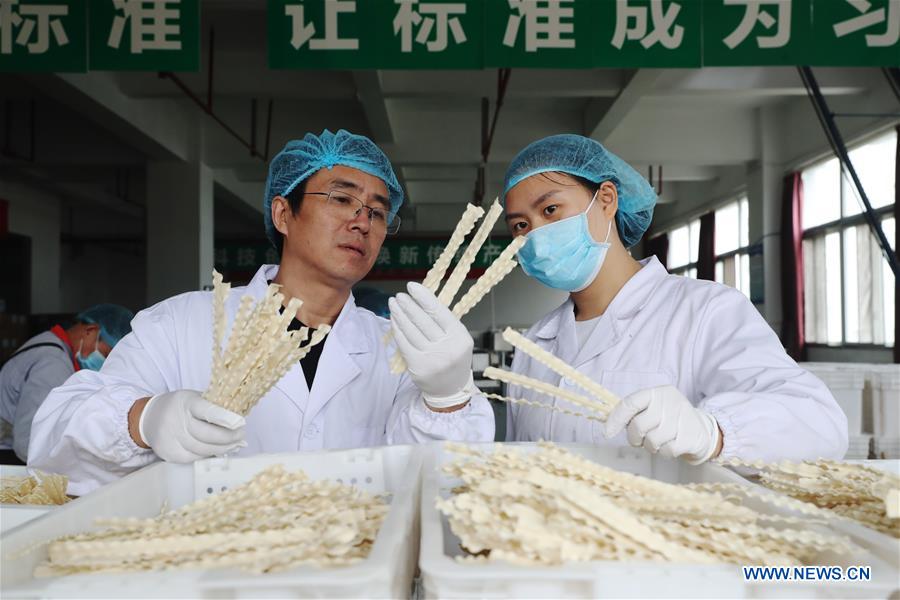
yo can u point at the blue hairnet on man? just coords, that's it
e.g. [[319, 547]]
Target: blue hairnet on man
[[46, 361], [330, 201]]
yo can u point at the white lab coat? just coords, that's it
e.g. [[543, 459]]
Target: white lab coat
[[81, 429], [704, 338]]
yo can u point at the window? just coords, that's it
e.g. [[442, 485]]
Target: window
[[684, 247], [732, 245], [853, 304]]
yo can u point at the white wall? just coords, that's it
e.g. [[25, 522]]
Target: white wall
[[36, 214], [180, 223]]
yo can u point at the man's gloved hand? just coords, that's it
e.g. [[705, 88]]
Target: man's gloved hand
[[182, 427], [662, 420], [436, 346]]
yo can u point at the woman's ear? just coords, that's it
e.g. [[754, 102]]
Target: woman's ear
[[608, 198], [280, 211]]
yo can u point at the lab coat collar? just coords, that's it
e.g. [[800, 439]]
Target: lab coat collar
[[633, 296], [347, 326], [336, 367]]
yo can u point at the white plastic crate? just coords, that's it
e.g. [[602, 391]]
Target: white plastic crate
[[885, 385], [13, 515], [444, 577], [387, 572], [886, 447], [859, 448], [846, 385], [885, 547]]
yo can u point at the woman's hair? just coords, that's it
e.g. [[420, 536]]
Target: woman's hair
[[584, 182]]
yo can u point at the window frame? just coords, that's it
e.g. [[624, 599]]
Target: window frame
[[688, 267], [840, 226], [740, 250]]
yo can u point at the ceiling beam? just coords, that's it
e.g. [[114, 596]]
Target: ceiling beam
[[602, 117]]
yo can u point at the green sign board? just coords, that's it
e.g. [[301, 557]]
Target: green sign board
[[429, 35], [58, 35], [471, 34], [399, 258], [761, 33], [412, 257], [43, 35], [135, 35], [862, 32], [643, 33], [524, 33]]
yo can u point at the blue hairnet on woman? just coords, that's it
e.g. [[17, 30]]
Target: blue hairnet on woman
[[699, 372]]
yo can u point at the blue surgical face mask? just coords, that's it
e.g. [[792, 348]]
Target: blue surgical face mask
[[563, 255], [92, 361]]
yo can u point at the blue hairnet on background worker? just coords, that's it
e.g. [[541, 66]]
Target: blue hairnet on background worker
[[45, 362], [330, 200], [701, 373]]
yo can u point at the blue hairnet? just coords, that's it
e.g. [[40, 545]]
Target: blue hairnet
[[584, 157], [301, 158], [114, 321]]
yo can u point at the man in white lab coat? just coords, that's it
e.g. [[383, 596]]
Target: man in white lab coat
[[330, 201]]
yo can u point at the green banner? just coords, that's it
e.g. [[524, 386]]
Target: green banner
[[555, 34], [43, 35], [414, 256], [134, 35], [862, 32], [437, 34], [648, 33], [399, 258], [757, 33], [164, 35], [321, 34]]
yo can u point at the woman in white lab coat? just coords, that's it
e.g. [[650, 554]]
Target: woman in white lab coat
[[701, 373]]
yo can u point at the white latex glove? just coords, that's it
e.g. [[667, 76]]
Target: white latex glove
[[435, 344], [662, 420], [182, 427]]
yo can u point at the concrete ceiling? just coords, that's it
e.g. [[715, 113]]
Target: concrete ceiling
[[91, 128]]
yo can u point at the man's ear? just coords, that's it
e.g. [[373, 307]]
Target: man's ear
[[608, 198], [281, 210], [91, 329]]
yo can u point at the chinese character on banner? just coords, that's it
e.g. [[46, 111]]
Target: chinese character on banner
[[544, 27], [152, 25], [409, 255], [491, 251], [753, 14], [433, 253], [411, 12], [303, 32], [246, 257], [221, 257], [35, 23], [384, 258], [632, 24], [272, 257], [869, 18]]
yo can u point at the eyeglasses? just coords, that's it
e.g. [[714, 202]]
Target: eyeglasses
[[348, 207]]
